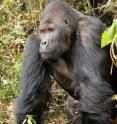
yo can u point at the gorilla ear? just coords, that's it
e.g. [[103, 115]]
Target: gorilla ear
[[67, 22]]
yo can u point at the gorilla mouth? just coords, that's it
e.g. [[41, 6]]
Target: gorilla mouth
[[48, 52], [48, 55]]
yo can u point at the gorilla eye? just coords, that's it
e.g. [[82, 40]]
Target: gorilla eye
[[50, 29], [66, 21]]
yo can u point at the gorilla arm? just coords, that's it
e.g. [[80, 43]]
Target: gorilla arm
[[89, 70], [35, 84]]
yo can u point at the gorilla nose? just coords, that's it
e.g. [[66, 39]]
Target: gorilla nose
[[44, 43]]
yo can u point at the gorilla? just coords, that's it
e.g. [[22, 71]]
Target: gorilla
[[67, 47], [72, 109]]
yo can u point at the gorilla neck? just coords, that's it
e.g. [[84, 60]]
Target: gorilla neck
[[61, 67], [64, 64]]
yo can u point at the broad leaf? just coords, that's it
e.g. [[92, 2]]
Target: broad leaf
[[112, 31], [109, 35], [106, 40]]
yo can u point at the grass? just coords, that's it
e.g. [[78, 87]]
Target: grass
[[18, 19]]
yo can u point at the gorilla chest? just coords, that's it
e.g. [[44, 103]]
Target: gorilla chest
[[62, 79], [68, 84], [63, 73]]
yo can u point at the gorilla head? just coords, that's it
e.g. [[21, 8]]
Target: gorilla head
[[57, 30]]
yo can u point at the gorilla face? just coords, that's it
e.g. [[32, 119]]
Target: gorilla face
[[55, 36]]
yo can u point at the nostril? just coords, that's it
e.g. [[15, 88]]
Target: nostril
[[45, 43]]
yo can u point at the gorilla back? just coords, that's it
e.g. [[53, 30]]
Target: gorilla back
[[69, 49]]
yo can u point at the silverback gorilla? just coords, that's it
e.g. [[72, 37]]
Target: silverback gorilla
[[67, 46]]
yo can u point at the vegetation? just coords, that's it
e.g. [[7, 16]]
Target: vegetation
[[19, 18], [109, 35]]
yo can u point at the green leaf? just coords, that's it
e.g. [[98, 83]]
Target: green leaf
[[109, 35], [109, 1], [106, 40], [112, 31], [30, 119]]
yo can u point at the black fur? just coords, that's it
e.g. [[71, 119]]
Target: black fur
[[35, 84]]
